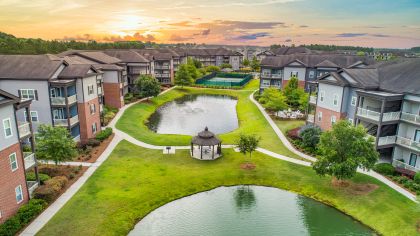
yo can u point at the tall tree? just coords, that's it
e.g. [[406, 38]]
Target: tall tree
[[192, 69], [344, 149], [147, 86], [245, 62], [273, 100], [183, 77], [247, 143], [55, 143], [255, 64], [295, 96]]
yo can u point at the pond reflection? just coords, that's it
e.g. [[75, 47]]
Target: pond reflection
[[244, 198]]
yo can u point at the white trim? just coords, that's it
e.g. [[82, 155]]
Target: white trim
[[21, 194], [10, 127], [36, 115], [27, 96], [14, 162]]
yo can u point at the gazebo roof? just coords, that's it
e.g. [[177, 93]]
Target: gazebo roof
[[205, 138]]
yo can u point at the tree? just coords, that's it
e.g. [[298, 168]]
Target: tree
[[360, 53], [212, 69], [247, 143], [147, 86], [55, 143], [295, 96], [344, 149], [192, 69], [273, 100], [225, 65], [182, 76], [197, 63], [310, 136], [255, 64], [245, 62]]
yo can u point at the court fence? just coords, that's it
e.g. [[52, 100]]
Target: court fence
[[242, 79]]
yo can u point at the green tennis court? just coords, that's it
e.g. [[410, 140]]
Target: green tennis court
[[225, 79]]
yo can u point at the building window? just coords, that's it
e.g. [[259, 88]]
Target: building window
[[321, 96], [94, 128], [90, 89], [413, 159], [266, 82], [27, 94], [335, 101], [13, 161], [294, 74], [92, 108], [320, 116], [311, 74], [19, 194], [333, 120], [353, 100], [34, 116], [7, 126]]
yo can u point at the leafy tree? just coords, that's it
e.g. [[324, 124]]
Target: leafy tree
[[255, 64], [273, 100], [183, 77], [197, 63], [295, 96], [225, 65], [55, 143], [310, 136], [212, 69], [147, 86], [247, 143], [344, 149], [245, 62], [360, 53], [192, 69]]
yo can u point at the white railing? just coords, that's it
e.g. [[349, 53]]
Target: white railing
[[373, 115], [390, 116], [276, 76], [60, 101], [161, 75], [312, 99], [386, 140], [24, 129], [408, 143], [29, 159], [403, 165], [410, 117], [77, 138], [72, 99], [60, 122], [74, 120], [165, 67], [311, 118], [32, 185], [125, 83], [99, 90]]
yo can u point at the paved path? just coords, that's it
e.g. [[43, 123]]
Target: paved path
[[42, 219]]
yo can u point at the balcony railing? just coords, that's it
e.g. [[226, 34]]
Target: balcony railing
[[29, 159], [63, 122], [74, 120], [273, 76], [24, 129], [77, 138], [403, 165], [386, 140], [99, 90], [312, 99], [410, 117], [61, 101], [32, 185], [408, 143], [164, 67], [373, 115], [311, 118], [162, 75]]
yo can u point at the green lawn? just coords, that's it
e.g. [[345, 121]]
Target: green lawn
[[134, 181], [250, 120], [286, 125]]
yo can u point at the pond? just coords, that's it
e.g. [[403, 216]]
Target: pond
[[190, 114], [247, 210]]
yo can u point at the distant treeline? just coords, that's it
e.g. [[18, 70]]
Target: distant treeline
[[9, 44]]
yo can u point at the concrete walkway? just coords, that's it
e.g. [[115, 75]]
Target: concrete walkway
[[42, 219]]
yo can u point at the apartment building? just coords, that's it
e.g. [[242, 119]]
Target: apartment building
[[276, 71], [63, 94], [384, 98], [16, 155]]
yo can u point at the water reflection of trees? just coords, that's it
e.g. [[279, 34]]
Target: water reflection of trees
[[244, 198]]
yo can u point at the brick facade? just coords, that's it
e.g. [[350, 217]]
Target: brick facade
[[325, 122], [112, 95], [9, 180], [86, 119]]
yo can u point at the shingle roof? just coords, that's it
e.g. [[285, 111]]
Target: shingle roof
[[312, 60], [76, 71], [29, 66], [127, 56], [290, 50], [99, 57]]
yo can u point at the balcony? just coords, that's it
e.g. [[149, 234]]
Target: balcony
[[61, 101], [162, 75], [99, 90], [162, 67], [402, 165], [63, 122], [32, 185], [312, 99], [373, 115], [125, 83], [412, 118], [311, 118], [29, 158], [387, 140], [408, 143], [24, 129]]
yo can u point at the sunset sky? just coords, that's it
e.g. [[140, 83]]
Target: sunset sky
[[379, 23]]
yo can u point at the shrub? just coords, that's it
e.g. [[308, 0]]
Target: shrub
[[30, 176], [310, 136], [102, 135], [93, 142], [51, 189], [58, 182], [417, 178], [10, 227], [384, 168], [128, 97]]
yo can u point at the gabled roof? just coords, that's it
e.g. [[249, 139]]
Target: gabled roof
[[7, 98], [312, 60], [127, 56], [77, 71], [290, 50], [40, 67], [99, 57], [326, 63]]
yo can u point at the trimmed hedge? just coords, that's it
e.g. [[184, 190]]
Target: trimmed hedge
[[24, 215], [417, 178], [51, 189], [384, 168], [104, 134], [30, 176]]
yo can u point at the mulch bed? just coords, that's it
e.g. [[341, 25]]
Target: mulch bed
[[247, 166], [96, 151], [354, 188]]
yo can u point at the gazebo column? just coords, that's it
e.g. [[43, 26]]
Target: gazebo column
[[212, 152], [192, 149], [201, 147]]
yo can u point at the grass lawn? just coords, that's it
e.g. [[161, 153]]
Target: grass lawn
[[134, 181], [250, 120], [286, 125]]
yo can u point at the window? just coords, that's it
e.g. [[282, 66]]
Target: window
[[266, 82], [92, 108], [335, 101], [353, 100], [320, 116], [94, 128], [333, 119], [7, 126], [90, 89], [19, 194], [321, 96], [13, 161], [311, 74], [27, 94], [34, 116], [294, 74]]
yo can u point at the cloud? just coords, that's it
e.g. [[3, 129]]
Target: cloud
[[350, 35], [380, 35], [135, 37], [205, 32], [179, 38], [190, 5], [252, 36], [287, 40], [182, 24], [303, 26], [84, 37]]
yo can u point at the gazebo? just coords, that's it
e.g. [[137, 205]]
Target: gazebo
[[206, 142]]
